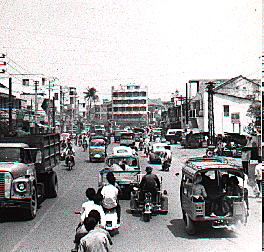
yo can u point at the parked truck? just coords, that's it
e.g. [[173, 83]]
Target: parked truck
[[26, 171]]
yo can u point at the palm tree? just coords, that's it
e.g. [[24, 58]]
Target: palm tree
[[90, 95]]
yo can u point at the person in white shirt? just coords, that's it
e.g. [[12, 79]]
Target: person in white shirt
[[110, 195], [258, 178]]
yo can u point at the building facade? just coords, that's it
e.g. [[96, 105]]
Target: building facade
[[130, 105]]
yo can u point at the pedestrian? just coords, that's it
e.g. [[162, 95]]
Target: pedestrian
[[258, 178], [246, 155]]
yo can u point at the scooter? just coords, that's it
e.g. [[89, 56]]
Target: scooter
[[70, 162], [85, 146], [166, 165], [111, 221]]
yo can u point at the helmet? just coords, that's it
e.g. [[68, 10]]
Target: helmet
[[149, 169]]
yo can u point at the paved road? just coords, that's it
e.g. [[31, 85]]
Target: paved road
[[53, 228]]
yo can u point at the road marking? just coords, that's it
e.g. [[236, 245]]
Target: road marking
[[44, 216]]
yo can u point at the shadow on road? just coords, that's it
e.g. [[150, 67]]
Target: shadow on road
[[11, 215], [205, 231]]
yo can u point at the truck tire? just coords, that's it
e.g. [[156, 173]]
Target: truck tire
[[51, 185], [31, 212]]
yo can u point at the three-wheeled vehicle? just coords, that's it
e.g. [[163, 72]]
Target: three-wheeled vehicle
[[124, 175], [156, 151], [226, 201], [141, 202], [97, 149]]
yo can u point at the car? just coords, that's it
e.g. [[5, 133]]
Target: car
[[156, 151], [219, 208]]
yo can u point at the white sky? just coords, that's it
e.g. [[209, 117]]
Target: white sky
[[159, 43]]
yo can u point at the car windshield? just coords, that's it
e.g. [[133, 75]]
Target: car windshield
[[116, 160], [10, 154]]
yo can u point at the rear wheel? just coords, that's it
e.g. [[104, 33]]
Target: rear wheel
[[31, 212], [146, 217], [51, 185]]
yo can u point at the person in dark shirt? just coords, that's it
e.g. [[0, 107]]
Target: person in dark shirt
[[150, 183]]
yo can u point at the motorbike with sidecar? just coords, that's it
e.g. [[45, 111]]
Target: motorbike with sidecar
[[141, 202]]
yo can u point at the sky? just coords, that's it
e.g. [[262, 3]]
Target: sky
[[159, 43]]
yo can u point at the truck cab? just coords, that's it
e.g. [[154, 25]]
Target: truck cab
[[26, 171]]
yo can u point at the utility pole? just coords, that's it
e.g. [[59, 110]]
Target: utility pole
[[10, 106], [36, 98], [211, 128], [186, 108], [49, 107]]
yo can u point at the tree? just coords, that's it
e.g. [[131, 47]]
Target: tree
[[91, 96], [254, 112]]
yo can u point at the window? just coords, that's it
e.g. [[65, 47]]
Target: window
[[25, 82], [56, 96], [226, 110]]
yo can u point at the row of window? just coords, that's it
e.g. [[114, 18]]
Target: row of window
[[127, 116], [129, 101], [129, 109], [129, 94]]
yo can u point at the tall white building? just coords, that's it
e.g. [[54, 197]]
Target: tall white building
[[130, 105]]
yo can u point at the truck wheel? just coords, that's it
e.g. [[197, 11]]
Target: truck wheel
[[189, 225], [51, 185], [31, 212]]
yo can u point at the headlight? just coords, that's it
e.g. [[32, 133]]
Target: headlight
[[21, 186]]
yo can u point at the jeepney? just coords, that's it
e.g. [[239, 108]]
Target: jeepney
[[220, 208]]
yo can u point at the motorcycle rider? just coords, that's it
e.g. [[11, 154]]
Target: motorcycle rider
[[150, 183], [70, 153], [110, 195]]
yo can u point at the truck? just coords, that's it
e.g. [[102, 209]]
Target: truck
[[27, 173]]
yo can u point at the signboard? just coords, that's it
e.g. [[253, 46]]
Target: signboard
[[235, 117]]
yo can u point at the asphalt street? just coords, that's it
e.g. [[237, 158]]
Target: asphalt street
[[54, 227]]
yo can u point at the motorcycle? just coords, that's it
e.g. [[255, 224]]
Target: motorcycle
[[85, 146], [70, 162], [140, 146], [165, 162], [166, 165]]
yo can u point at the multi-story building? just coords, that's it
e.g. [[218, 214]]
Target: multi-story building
[[130, 105]]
